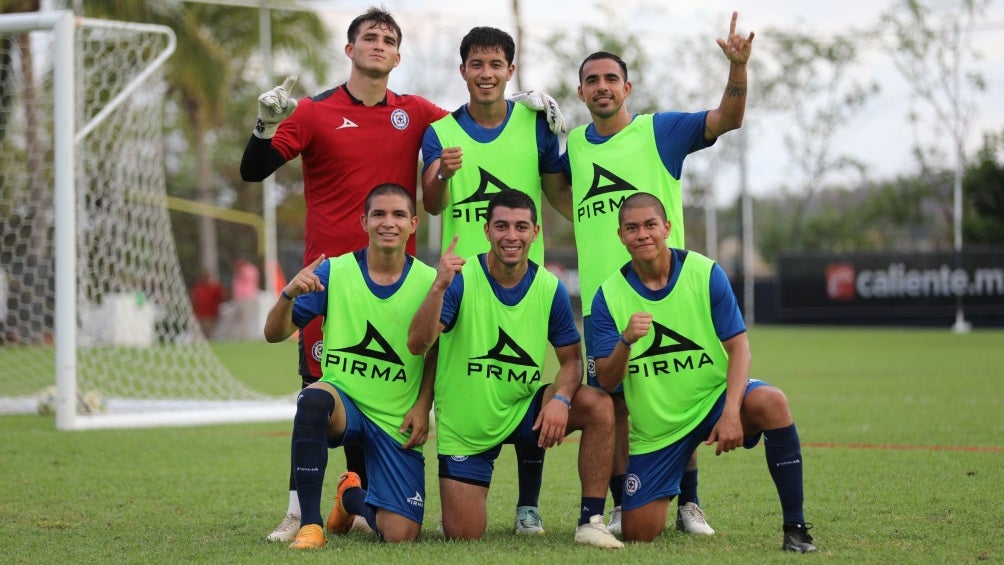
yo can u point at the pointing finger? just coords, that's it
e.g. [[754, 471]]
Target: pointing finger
[[317, 262]]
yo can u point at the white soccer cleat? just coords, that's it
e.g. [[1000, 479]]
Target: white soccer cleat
[[286, 530], [528, 521], [690, 519], [614, 525], [596, 534]]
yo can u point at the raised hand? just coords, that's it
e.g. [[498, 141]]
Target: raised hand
[[306, 280], [736, 48], [542, 102], [450, 161], [449, 265], [274, 106], [638, 326]]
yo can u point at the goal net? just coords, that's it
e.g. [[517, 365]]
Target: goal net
[[92, 299]]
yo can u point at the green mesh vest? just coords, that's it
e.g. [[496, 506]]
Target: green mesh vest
[[490, 363], [366, 342], [677, 371], [602, 177], [510, 161]]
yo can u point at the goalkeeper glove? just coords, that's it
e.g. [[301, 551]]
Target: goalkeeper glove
[[274, 106], [541, 102]]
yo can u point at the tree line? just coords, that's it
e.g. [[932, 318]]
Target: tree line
[[830, 202]]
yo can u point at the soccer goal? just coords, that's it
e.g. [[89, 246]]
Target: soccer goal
[[92, 299]]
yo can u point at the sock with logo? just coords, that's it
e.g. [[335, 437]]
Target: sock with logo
[[354, 500], [688, 488], [590, 507], [530, 470], [617, 488], [784, 460], [310, 450]]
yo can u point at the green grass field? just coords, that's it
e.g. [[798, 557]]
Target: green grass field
[[902, 434]]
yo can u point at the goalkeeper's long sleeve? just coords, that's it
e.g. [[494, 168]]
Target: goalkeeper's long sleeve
[[260, 160]]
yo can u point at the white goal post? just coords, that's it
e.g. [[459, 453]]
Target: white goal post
[[92, 298]]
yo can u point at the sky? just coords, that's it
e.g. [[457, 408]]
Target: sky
[[880, 136]]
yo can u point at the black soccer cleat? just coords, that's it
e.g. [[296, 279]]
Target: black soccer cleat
[[797, 538]]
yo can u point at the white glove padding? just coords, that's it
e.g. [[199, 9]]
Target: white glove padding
[[274, 106], [541, 102]]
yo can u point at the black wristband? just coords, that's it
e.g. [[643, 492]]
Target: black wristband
[[287, 296]]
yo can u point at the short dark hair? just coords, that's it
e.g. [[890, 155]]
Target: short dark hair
[[376, 17], [484, 38], [641, 200], [514, 199], [604, 55], [389, 189]]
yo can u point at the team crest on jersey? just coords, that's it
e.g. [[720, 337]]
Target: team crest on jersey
[[631, 484], [317, 350], [399, 119]]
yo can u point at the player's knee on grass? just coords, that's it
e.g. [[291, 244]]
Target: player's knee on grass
[[464, 509], [395, 528], [645, 523]]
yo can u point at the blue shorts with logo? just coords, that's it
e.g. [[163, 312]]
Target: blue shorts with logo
[[655, 475], [396, 476], [477, 469]]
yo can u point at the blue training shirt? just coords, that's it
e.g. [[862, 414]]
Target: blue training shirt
[[561, 330], [547, 142], [725, 314], [677, 134], [313, 304]]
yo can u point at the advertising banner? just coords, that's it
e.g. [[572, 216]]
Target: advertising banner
[[890, 285]]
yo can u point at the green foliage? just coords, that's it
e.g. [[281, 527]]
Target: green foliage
[[900, 435], [211, 71], [906, 213], [568, 49], [930, 45], [983, 190], [809, 85]]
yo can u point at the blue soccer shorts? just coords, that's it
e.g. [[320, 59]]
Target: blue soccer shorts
[[396, 476], [655, 475], [477, 469]]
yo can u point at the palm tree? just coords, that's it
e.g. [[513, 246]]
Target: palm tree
[[214, 44]]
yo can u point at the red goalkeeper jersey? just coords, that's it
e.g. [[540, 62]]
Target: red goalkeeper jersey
[[348, 148]]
